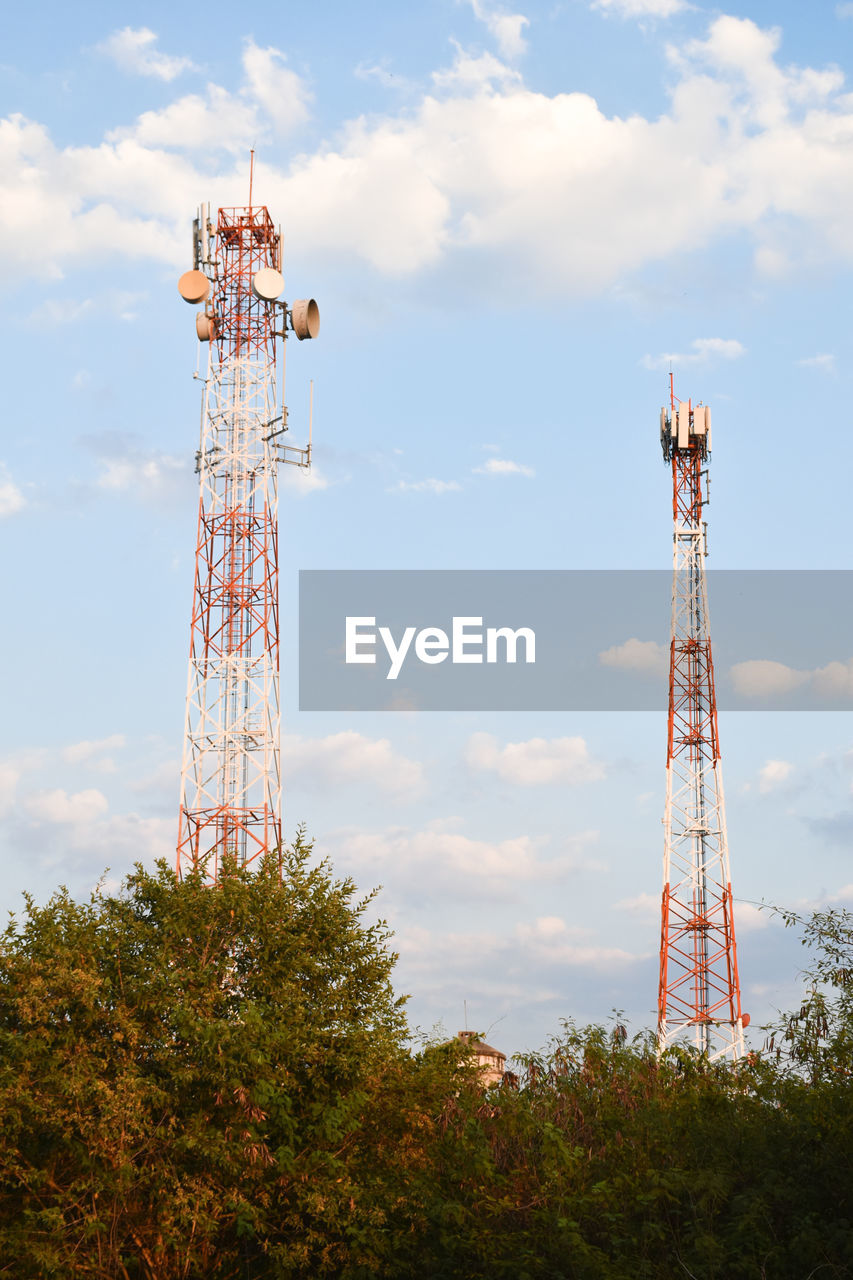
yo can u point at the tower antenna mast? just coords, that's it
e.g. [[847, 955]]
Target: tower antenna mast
[[699, 991], [231, 776]]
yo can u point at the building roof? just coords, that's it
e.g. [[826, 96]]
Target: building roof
[[479, 1046]]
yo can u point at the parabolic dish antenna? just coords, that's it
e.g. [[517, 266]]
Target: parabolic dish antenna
[[305, 318], [194, 286], [267, 284]]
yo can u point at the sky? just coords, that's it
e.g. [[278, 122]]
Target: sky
[[515, 223]]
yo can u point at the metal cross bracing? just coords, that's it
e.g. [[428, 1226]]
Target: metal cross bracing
[[699, 991], [231, 777]]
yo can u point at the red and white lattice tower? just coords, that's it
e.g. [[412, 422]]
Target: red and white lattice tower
[[699, 994], [231, 778]]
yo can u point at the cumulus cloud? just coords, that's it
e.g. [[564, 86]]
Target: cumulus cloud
[[764, 678], [57, 806], [280, 94], [749, 918], [772, 774], [506, 28], [504, 467], [645, 906], [440, 860], [641, 8], [214, 120], [551, 937], [755, 145], [824, 363], [637, 655], [125, 466], [350, 757], [524, 966], [426, 486], [95, 752], [835, 680], [134, 49], [125, 837], [702, 351], [535, 762], [302, 480], [11, 498]]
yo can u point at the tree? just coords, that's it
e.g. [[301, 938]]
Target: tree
[[185, 1073], [217, 1082], [817, 1038]]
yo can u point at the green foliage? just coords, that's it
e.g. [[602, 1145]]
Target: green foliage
[[817, 1038], [609, 1164], [200, 1082], [184, 1073]]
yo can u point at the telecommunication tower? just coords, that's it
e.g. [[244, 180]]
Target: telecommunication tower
[[231, 776], [699, 993]]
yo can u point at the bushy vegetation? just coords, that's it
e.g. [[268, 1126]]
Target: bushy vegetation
[[219, 1083]]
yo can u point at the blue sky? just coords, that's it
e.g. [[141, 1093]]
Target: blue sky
[[513, 222]]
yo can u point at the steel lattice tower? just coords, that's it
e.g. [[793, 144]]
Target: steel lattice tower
[[231, 777], [699, 990]]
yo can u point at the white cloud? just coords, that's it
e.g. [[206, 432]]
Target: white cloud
[[637, 655], [302, 480], [216, 120], [134, 49], [703, 350], [440, 860], [773, 774], [163, 778], [550, 937], [78, 752], [535, 762], [522, 967], [280, 93], [54, 312], [506, 28], [150, 475], [641, 8], [763, 678], [126, 837], [645, 906], [504, 467], [844, 10], [824, 363], [749, 918], [95, 752], [473, 73], [426, 486], [754, 145], [381, 73], [80, 808], [833, 680], [10, 776], [350, 757], [11, 498]]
